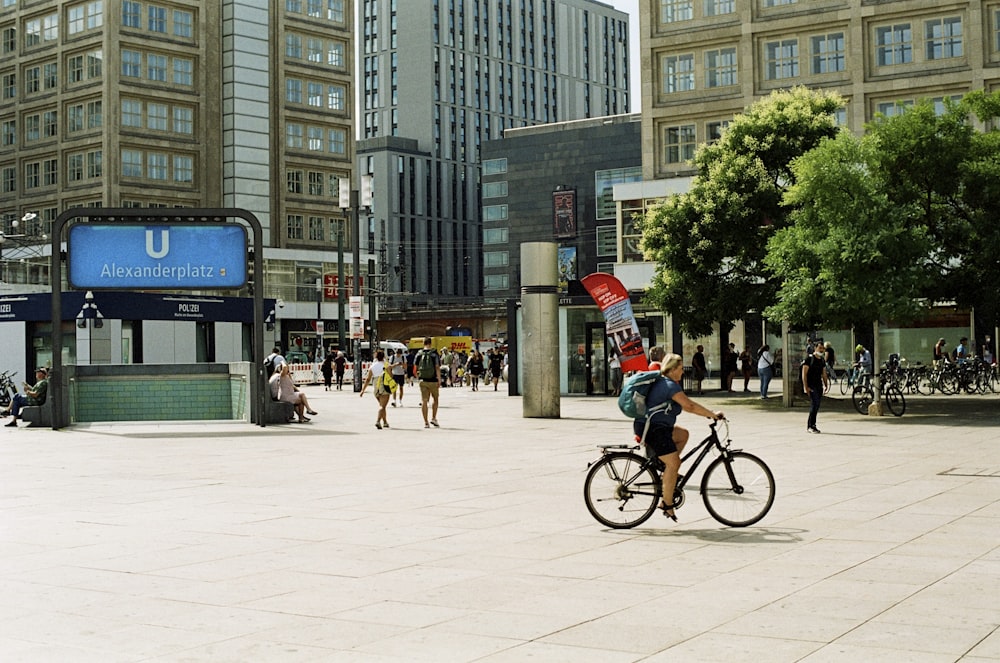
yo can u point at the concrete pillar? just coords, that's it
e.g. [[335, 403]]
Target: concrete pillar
[[540, 329]]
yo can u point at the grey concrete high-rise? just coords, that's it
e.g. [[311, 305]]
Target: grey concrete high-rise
[[439, 77]]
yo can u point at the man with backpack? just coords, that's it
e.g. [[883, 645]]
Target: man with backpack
[[273, 362], [428, 365]]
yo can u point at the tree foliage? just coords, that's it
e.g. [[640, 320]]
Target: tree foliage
[[709, 243], [884, 225]]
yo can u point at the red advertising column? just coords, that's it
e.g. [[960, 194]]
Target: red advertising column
[[621, 328]]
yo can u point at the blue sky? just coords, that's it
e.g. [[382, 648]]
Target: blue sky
[[631, 7]]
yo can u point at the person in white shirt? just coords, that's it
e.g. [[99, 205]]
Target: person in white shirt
[[765, 368]]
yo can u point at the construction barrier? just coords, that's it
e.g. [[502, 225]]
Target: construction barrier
[[311, 373]]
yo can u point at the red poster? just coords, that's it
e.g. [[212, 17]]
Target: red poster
[[621, 328]]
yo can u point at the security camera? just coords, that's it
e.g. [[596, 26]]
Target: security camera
[[280, 303]]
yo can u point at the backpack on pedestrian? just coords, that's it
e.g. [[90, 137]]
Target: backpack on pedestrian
[[386, 385], [426, 365], [632, 400], [269, 366]]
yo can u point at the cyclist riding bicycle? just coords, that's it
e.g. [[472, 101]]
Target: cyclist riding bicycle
[[664, 402]]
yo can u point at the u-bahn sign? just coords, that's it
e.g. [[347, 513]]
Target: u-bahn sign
[[156, 257]]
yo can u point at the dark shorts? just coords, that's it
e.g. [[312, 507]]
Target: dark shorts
[[659, 438]]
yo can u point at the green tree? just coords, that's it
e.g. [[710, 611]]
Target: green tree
[[709, 243], [884, 225], [851, 254]]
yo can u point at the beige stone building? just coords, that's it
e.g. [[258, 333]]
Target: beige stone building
[[174, 103], [703, 61]]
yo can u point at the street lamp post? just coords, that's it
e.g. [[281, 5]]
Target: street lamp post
[[318, 354], [352, 200]]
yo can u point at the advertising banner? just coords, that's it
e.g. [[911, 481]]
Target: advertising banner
[[621, 328]]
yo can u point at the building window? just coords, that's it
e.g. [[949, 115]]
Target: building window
[[494, 166], [50, 172], [940, 103], [50, 124], [335, 96], [494, 212], [183, 69], [9, 86], [131, 113], [32, 128], [781, 59], [316, 183], [293, 181], [74, 167], [156, 67], [131, 63], [680, 143], [157, 19], [9, 40], [719, 7], [32, 175], [676, 10], [8, 133], [156, 116], [95, 164], [335, 54], [314, 139], [183, 120], [607, 241], [95, 114], [9, 179], [294, 226], [893, 44], [87, 16], [314, 94], [74, 69], [828, 53], [840, 117], [131, 163], [944, 38], [293, 46], [678, 73], [495, 235], [51, 76], [892, 108], [293, 90], [156, 166], [316, 224], [183, 169], [337, 141], [293, 136], [32, 80], [778, 3], [720, 68], [183, 23], [996, 29], [495, 258], [75, 118], [95, 64], [131, 12], [713, 130], [494, 189], [495, 282], [335, 10]]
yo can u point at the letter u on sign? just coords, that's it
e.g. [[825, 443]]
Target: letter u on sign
[[164, 244]]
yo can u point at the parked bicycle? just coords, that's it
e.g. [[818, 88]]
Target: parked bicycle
[[624, 488], [7, 388], [889, 393]]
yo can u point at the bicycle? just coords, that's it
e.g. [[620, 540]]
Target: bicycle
[[624, 488], [864, 395], [847, 380], [7, 388]]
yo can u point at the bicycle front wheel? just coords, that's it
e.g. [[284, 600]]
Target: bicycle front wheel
[[894, 400], [845, 383], [738, 489], [862, 397], [621, 491]]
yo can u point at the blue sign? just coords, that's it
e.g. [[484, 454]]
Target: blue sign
[[158, 257]]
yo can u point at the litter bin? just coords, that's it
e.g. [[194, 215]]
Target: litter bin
[[688, 379]]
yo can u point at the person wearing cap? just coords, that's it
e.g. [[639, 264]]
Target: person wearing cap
[[33, 395], [864, 362]]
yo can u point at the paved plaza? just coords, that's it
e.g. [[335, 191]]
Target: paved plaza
[[334, 541]]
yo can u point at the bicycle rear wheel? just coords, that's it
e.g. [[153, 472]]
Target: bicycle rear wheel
[[738, 489], [862, 396], [894, 400], [846, 381], [620, 492]]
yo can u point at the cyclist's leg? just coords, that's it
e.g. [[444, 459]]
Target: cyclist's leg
[[672, 463]]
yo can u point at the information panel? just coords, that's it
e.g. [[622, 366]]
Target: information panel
[[157, 257]]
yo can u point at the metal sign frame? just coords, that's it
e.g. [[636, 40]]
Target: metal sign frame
[[175, 216]]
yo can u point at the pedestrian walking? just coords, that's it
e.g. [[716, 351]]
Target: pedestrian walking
[[814, 381], [765, 369], [397, 364], [376, 376], [326, 368], [428, 364]]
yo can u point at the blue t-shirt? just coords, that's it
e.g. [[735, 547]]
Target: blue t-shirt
[[661, 392]]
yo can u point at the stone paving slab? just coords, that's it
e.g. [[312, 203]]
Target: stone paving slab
[[334, 541]]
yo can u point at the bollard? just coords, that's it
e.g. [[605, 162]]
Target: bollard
[[540, 330]]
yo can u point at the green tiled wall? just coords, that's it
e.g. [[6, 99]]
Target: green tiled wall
[[159, 399]]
